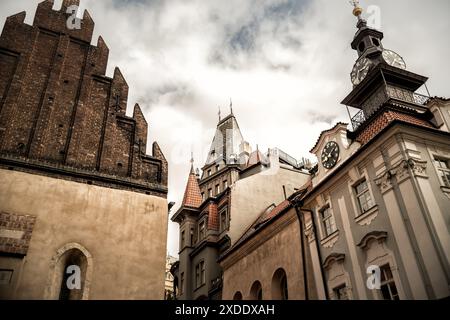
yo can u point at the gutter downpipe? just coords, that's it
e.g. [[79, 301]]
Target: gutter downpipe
[[302, 243], [322, 272]]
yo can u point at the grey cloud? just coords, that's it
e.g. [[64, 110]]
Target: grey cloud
[[286, 65]]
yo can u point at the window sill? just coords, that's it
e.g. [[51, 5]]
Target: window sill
[[367, 217], [330, 240], [198, 288]]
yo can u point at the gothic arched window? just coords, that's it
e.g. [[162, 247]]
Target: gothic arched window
[[70, 273]]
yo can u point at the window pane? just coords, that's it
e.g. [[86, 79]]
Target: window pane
[[326, 213], [387, 271], [361, 187], [393, 289], [385, 292]]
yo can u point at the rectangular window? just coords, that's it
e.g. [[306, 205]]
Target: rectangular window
[[201, 231], [209, 173], [197, 276], [223, 221], [363, 195], [217, 168], [217, 188], [203, 196], [192, 236], [200, 274], [388, 288], [328, 221], [443, 167], [340, 293], [210, 193], [225, 184], [182, 283], [182, 239]]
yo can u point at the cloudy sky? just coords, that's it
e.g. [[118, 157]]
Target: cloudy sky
[[284, 63]]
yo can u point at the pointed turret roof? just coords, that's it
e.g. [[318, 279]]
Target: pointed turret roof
[[226, 141], [192, 195]]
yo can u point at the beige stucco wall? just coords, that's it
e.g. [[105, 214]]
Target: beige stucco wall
[[252, 195], [412, 207], [277, 246], [124, 232]]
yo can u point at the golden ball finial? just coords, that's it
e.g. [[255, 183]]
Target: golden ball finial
[[357, 10]]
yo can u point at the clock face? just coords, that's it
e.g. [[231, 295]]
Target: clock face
[[394, 59], [360, 70], [330, 155]]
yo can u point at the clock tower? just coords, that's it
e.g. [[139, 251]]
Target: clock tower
[[380, 79]]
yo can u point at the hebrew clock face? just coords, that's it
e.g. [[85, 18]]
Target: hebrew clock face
[[330, 155], [360, 70], [394, 59]]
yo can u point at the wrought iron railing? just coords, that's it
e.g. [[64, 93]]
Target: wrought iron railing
[[377, 100], [358, 119], [420, 98]]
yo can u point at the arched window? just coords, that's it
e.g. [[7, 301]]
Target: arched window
[[237, 296], [70, 273], [74, 265], [279, 285], [256, 291]]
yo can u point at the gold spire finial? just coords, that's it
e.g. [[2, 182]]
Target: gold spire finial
[[357, 10]]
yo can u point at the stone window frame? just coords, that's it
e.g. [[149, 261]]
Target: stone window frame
[[201, 221], [224, 210], [323, 233], [200, 274], [182, 238], [182, 284], [445, 186], [388, 281], [337, 261], [217, 188], [337, 291], [362, 218], [53, 285], [357, 195], [387, 258]]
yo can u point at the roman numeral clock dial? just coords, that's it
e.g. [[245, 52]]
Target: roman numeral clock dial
[[360, 70], [330, 155], [394, 59]]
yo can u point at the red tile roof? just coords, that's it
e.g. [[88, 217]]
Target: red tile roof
[[325, 132], [383, 120], [274, 212], [192, 195], [256, 157]]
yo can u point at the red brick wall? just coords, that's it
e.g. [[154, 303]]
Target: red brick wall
[[57, 105], [16, 223]]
